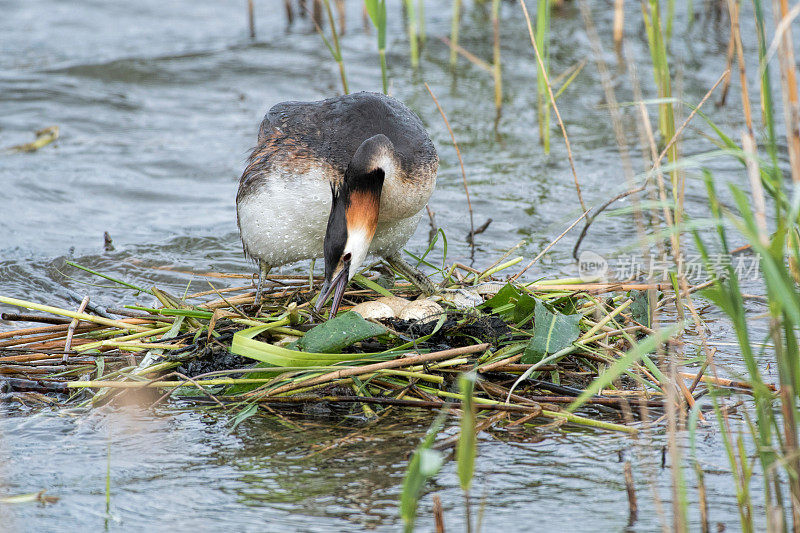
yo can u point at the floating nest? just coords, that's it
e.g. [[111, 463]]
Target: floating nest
[[538, 353]]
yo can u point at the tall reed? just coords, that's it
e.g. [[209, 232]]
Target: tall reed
[[421, 21], [497, 72], [454, 30], [333, 45], [666, 114], [376, 9], [413, 41], [774, 432], [542, 35], [467, 444]]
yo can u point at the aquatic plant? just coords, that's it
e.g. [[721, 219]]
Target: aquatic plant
[[377, 14], [454, 30], [542, 37], [177, 332], [413, 40], [333, 45]]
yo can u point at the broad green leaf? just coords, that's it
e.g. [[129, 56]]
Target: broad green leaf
[[245, 345], [508, 294], [552, 333], [524, 307], [511, 304], [567, 305], [339, 333], [640, 308]]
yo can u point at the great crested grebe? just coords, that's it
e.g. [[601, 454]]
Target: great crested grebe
[[340, 178]]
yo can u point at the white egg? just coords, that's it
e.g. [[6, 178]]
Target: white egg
[[373, 310], [422, 310], [395, 302]]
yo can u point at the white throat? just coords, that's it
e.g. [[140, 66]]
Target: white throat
[[357, 246]]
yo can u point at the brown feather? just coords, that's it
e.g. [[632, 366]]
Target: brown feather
[[362, 212]]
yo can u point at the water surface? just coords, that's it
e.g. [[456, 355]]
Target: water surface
[[158, 104]]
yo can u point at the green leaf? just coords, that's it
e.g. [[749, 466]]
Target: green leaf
[[376, 9], [467, 441], [245, 345], [511, 304], [106, 276], [524, 306], [339, 333], [100, 363], [552, 332], [718, 297], [28, 498], [424, 464], [369, 284], [640, 308], [194, 392], [504, 296], [243, 415], [567, 305], [372, 10]]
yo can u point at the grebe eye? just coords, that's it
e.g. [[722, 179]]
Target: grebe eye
[[346, 257]]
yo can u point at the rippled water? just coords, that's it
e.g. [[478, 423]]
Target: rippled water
[[158, 104]]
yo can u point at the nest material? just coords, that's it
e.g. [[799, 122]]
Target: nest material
[[406, 364]]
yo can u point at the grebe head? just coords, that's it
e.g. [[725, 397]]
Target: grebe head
[[354, 216]]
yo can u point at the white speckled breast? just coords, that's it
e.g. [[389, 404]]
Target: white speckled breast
[[284, 219]]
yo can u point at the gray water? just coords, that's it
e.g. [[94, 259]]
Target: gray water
[[158, 104]]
